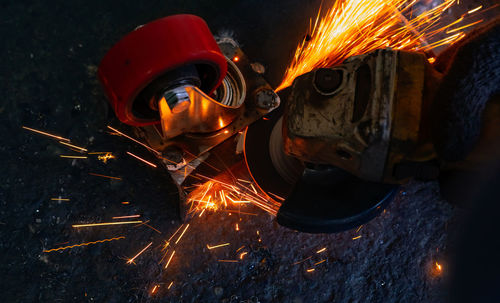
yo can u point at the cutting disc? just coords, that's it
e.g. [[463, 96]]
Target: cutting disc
[[272, 170], [328, 199], [316, 198]]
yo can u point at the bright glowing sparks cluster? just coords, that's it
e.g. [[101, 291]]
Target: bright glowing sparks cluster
[[354, 27]]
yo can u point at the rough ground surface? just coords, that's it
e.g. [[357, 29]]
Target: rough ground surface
[[50, 52]]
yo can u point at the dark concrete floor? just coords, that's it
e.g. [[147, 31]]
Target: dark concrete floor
[[50, 52]]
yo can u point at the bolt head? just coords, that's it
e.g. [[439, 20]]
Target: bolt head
[[267, 99]]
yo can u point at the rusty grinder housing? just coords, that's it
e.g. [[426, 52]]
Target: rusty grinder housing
[[336, 150]]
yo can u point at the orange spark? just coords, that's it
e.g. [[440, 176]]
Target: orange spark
[[167, 242], [240, 248], [73, 146], [130, 261], [46, 134], [319, 262], [215, 194], [246, 181], [127, 217], [237, 201], [353, 27], [439, 268], [125, 202], [276, 196], [223, 197], [73, 157], [237, 212], [105, 223], [237, 228], [151, 227], [170, 259], [141, 159], [142, 223], [136, 141], [217, 246], [154, 289], [229, 261], [321, 250], [182, 234], [83, 244], [475, 9], [301, 261], [310, 270], [59, 199], [170, 285], [104, 176], [172, 236], [355, 238], [243, 254], [105, 157], [236, 58], [253, 188], [462, 27]]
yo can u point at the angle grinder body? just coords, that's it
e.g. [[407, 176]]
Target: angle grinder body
[[366, 116], [334, 154], [386, 117]]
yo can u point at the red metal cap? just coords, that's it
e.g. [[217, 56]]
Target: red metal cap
[[149, 52]]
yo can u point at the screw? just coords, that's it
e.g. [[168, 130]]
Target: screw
[[267, 99]]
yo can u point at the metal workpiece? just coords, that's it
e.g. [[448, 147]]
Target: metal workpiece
[[134, 82], [232, 91], [187, 109], [211, 119], [203, 114], [175, 93], [185, 99], [177, 99]]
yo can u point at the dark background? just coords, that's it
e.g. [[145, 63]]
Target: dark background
[[49, 54]]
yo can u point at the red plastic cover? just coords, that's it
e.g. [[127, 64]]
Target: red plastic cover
[[148, 52]]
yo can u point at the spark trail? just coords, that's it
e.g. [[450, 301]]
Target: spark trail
[[83, 244], [354, 27]]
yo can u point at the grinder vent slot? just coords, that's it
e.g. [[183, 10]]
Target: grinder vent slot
[[362, 92]]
